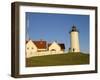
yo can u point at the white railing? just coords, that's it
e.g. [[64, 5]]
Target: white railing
[[44, 53]]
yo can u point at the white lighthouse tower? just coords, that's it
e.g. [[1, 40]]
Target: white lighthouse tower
[[74, 40]]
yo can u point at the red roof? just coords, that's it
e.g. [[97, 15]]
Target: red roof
[[43, 44], [62, 46], [40, 44]]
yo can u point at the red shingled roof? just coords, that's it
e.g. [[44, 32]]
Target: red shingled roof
[[43, 44], [62, 46], [40, 44]]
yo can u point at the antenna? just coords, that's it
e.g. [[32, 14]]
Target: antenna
[[27, 29]]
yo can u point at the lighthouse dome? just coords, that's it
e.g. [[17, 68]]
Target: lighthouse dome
[[74, 28]]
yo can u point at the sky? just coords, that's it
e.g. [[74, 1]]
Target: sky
[[56, 27]]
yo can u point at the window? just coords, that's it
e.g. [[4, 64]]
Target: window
[[27, 47]]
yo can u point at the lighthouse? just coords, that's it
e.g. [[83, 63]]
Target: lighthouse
[[74, 40]]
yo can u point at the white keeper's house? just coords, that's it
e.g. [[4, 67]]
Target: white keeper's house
[[41, 48]]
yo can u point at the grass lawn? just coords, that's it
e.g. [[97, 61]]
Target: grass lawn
[[58, 59]]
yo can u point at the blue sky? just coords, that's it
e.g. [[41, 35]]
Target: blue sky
[[56, 27]]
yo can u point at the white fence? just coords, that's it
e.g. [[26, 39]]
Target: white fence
[[43, 53]]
